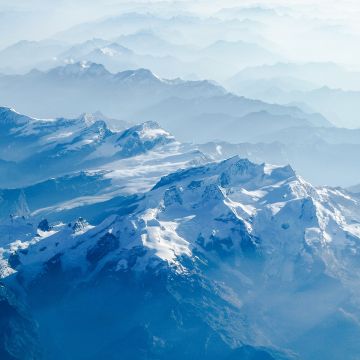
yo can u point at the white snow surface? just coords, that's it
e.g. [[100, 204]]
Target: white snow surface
[[215, 209]]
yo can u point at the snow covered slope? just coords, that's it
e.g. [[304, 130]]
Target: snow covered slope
[[79, 166], [245, 247], [47, 148]]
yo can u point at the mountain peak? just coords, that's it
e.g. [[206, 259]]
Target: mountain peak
[[231, 172], [10, 116], [79, 69], [143, 137], [138, 75], [147, 130], [114, 49], [91, 118]]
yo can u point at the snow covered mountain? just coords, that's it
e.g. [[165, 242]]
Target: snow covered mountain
[[228, 250], [54, 147], [151, 241], [80, 165], [236, 192]]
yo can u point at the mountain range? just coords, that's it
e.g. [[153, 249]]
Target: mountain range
[[178, 180], [154, 243], [142, 49], [322, 87], [91, 140], [79, 159], [139, 95], [74, 86]]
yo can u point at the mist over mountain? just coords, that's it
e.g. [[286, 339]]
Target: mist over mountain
[[179, 180], [140, 95], [317, 74], [90, 87], [325, 88]]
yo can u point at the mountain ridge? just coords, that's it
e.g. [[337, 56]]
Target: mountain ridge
[[251, 211]]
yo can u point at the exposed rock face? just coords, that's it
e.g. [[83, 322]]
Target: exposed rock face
[[44, 225]]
